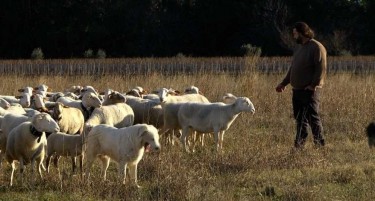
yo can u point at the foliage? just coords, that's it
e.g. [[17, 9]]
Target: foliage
[[146, 28], [37, 53]]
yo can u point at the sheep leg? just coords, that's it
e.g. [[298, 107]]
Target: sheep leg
[[12, 174], [217, 137], [185, 134], [89, 162], [56, 159], [81, 164], [133, 174], [48, 160], [74, 164], [40, 163], [221, 140], [105, 163], [22, 168], [122, 171]]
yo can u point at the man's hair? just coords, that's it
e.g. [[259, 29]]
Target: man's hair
[[304, 29]]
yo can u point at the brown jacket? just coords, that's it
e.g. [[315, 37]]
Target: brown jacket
[[308, 67]]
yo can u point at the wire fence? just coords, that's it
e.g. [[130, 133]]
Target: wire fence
[[174, 66]]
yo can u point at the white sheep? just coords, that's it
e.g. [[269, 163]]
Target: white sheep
[[22, 99], [69, 119], [170, 105], [146, 111], [27, 142], [112, 97], [211, 117], [9, 122], [89, 101], [118, 115], [63, 144], [125, 146]]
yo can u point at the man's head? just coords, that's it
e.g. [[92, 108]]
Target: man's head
[[302, 31]]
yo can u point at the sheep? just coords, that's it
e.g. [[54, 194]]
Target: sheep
[[118, 115], [14, 108], [146, 111], [89, 100], [26, 143], [170, 109], [63, 144], [137, 92], [23, 99], [9, 122], [112, 97], [69, 119], [192, 90], [125, 146], [76, 89], [37, 103], [211, 117], [41, 89]]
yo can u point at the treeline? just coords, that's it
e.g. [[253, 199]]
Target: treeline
[[165, 28]]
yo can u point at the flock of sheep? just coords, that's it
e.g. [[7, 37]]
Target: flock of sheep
[[80, 122]]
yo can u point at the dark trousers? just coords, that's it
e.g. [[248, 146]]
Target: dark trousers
[[305, 111]]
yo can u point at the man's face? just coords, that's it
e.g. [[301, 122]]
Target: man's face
[[297, 36]]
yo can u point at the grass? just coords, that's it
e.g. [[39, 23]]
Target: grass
[[258, 163]]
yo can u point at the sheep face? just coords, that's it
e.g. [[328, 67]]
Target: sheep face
[[57, 110], [91, 99], [4, 104], [192, 90], [150, 138], [164, 93], [116, 97], [25, 99], [244, 104], [38, 101], [43, 122], [41, 87], [27, 90]]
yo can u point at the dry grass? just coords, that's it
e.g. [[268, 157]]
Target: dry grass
[[258, 162]]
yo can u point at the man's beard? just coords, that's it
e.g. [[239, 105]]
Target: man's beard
[[299, 40]]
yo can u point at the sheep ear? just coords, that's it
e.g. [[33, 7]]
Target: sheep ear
[[142, 131], [229, 98]]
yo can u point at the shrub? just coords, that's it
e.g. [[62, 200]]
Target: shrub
[[37, 53], [101, 54], [88, 53]]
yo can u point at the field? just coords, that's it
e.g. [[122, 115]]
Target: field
[[258, 162]]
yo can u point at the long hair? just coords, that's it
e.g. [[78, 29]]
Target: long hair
[[304, 29]]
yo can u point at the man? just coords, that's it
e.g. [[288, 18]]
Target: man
[[306, 76]]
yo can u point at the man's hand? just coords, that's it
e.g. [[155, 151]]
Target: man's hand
[[280, 88], [311, 88]]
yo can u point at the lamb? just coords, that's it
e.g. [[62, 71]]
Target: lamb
[[26, 143], [125, 146], [63, 144], [211, 117], [118, 115], [23, 99], [69, 119]]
